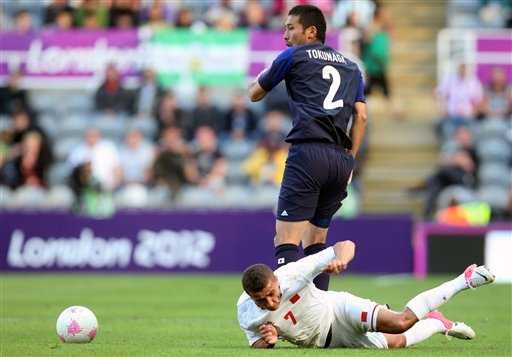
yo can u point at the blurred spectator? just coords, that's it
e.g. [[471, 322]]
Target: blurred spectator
[[174, 165], [23, 122], [31, 166], [241, 118], [137, 157], [12, 95], [212, 166], [205, 113], [351, 35], [266, 164], [124, 14], [147, 95], [92, 14], [222, 16], [23, 22], [497, 101], [103, 156], [54, 9], [64, 20], [254, 16], [155, 22], [362, 9], [376, 53], [460, 97], [91, 199], [185, 18], [5, 20], [458, 166], [169, 113], [111, 98], [164, 10]]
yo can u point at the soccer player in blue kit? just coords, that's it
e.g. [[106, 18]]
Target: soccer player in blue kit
[[325, 89]]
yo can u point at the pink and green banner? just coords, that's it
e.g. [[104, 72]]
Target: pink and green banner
[[77, 59]]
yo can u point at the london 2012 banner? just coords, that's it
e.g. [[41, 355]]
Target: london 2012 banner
[[77, 58]]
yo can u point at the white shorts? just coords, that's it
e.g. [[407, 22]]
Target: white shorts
[[354, 321]]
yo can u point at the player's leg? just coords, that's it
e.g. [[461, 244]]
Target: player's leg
[[432, 299], [287, 240], [420, 306], [423, 329], [313, 242], [332, 193], [297, 203]]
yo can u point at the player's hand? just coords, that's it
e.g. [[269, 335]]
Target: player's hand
[[335, 266], [269, 333]]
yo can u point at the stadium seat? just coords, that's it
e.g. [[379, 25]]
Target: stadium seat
[[159, 197], [63, 146], [495, 173], [265, 196], [131, 196], [497, 197], [494, 150], [491, 129], [80, 103], [49, 124], [60, 197], [236, 196], [235, 176], [197, 197], [73, 125], [111, 128], [460, 194], [147, 126], [5, 196], [236, 150], [59, 174], [29, 197]]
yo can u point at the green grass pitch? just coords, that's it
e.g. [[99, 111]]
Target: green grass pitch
[[195, 315]]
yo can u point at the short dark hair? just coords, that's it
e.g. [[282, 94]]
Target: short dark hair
[[310, 15], [256, 278]]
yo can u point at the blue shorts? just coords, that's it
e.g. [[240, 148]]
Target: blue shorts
[[314, 183]]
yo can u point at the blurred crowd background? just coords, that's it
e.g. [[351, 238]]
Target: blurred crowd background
[[148, 146]]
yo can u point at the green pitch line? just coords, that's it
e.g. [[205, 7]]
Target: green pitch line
[[192, 315]]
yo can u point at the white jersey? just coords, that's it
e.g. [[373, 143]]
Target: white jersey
[[305, 313]]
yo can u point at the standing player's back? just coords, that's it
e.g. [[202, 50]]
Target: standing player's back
[[323, 86]]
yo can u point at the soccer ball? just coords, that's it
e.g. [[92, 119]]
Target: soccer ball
[[77, 324]]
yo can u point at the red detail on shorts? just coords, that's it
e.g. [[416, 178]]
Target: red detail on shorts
[[364, 316], [371, 323], [295, 298]]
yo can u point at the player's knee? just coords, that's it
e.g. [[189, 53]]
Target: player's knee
[[401, 323], [396, 341]]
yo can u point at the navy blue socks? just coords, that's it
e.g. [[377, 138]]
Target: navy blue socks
[[286, 253], [322, 280]]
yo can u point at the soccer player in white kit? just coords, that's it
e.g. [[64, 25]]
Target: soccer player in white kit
[[286, 304]]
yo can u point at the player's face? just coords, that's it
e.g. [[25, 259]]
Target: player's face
[[268, 298], [294, 33]]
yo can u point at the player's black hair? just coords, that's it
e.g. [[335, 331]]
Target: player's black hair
[[256, 278], [310, 15]]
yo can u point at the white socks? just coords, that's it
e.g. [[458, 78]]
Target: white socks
[[422, 330], [431, 299]]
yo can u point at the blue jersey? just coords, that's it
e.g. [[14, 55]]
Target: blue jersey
[[322, 86]]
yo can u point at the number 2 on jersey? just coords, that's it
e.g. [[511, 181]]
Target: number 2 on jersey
[[329, 72]]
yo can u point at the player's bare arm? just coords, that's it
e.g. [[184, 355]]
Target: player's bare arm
[[268, 337], [256, 93], [358, 126], [345, 252]]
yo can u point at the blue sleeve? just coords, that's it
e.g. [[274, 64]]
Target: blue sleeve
[[277, 71], [360, 89]]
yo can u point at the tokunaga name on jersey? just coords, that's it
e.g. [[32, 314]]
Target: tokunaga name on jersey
[[327, 56]]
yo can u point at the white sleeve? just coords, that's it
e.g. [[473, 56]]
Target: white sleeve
[[306, 269], [248, 321]]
